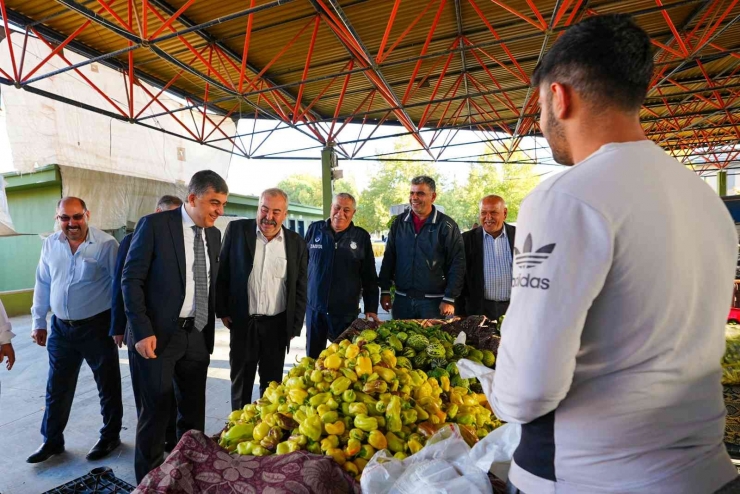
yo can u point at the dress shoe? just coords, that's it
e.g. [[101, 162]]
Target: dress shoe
[[45, 452], [103, 448]]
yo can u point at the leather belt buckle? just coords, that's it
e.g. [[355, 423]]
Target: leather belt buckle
[[186, 323]]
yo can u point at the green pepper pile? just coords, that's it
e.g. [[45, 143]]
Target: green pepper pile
[[365, 395]]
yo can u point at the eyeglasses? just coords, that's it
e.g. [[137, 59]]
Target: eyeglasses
[[64, 218]]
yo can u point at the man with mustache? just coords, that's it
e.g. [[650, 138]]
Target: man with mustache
[[424, 258], [261, 294], [119, 323], [73, 279], [341, 268], [169, 284], [610, 351], [489, 253]]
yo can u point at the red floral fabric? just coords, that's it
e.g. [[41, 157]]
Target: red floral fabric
[[199, 465]]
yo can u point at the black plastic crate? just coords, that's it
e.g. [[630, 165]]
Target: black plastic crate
[[99, 481]]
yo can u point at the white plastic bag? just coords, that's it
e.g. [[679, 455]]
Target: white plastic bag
[[443, 466]]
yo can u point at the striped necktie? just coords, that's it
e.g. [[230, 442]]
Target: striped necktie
[[201, 281]]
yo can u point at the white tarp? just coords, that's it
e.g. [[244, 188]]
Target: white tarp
[[6, 223], [43, 131]]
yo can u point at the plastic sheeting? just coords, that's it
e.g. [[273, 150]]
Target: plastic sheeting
[[43, 131], [113, 200], [6, 223]]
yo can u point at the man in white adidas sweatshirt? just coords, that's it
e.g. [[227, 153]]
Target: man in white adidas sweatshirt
[[611, 347]]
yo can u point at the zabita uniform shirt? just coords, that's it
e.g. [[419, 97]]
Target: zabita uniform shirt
[[610, 351]]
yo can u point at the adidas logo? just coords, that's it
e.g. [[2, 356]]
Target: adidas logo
[[528, 259]]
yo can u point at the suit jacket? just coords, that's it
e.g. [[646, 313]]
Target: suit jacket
[[154, 274], [470, 301], [237, 259], [118, 310]]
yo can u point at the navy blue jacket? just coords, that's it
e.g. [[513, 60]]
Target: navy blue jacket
[[153, 280], [118, 311], [237, 260], [430, 264], [340, 272]]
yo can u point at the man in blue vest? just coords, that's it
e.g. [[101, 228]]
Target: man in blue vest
[[341, 268]]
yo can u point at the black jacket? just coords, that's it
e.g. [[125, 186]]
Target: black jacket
[[339, 272], [470, 301], [237, 259], [118, 310], [430, 264], [153, 281]]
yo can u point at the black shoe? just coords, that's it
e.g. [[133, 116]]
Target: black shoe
[[45, 452], [103, 448]]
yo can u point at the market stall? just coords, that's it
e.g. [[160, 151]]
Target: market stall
[[377, 397]]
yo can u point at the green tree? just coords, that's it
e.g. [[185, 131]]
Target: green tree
[[390, 186], [303, 188]]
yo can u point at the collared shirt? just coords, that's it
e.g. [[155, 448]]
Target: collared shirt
[[74, 286], [267, 287], [188, 306], [5, 329], [497, 267]]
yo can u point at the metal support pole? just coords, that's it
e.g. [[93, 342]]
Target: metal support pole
[[722, 183], [328, 162]]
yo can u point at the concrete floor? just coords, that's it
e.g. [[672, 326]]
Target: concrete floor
[[22, 407]]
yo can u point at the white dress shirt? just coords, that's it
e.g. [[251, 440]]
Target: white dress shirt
[[267, 290], [188, 306], [5, 329]]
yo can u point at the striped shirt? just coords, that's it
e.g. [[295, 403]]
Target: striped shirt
[[497, 267]]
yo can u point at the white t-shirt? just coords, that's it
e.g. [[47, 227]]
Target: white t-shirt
[[5, 329], [611, 348]]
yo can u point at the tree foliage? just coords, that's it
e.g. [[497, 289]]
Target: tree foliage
[[306, 189]]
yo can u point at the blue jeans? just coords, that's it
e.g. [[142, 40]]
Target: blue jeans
[[416, 308]]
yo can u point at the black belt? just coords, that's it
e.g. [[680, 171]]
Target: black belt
[[498, 301], [186, 323], [263, 317], [81, 322]]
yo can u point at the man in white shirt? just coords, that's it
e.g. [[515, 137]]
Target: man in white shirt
[[6, 347], [261, 294], [611, 348]]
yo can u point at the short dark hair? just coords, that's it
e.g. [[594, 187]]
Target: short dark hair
[[606, 58], [167, 202], [425, 180], [204, 180], [72, 198]]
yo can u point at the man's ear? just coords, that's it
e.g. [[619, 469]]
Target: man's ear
[[561, 100]]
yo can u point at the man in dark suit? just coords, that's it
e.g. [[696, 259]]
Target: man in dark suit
[[119, 321], [489, 253], [169, 292], [261, 294]]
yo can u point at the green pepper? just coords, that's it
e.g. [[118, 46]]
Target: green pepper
[[408, 417], [314, 447], [260, 431], [316, 376], [332, 403], [395, 443], [466, 419], [357, 409], [380, 406], [345, 408], [366, 423], [330, 417], [329, 442], [393, 414], [358, 434], [367, 451], [349, 396], [245, 448], [340, 385], [260, 451], [378, 386], [319, 399], [452, 410], [311, 427], [239, 433], [283, 448], [271, 440]]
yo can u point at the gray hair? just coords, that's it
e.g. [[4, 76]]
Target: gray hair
[[348, 196], [275, 192], [425, 180], [206, 180], [168, 202]]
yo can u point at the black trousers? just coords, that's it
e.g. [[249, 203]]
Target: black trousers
[[261, 342], [68, 345], [183, 365], [494, 310], [171, 434], [320, 326]]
